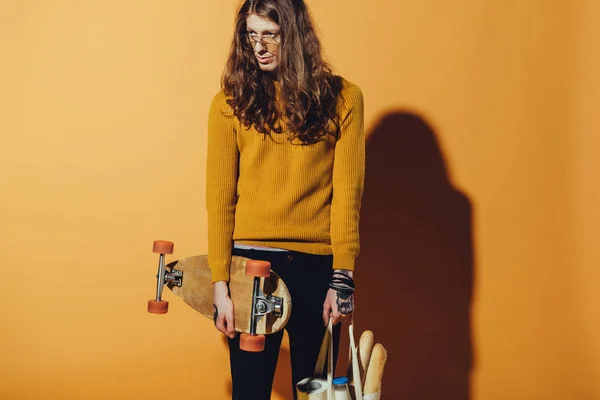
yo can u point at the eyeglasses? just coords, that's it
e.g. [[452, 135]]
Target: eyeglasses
[[269, 43]]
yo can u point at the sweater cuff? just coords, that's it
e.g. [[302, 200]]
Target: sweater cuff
[[219, 272], [343, 261]]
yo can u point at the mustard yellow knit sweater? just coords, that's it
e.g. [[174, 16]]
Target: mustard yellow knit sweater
[[277, 193]]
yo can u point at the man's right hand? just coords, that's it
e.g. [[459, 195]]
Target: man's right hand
[[224, 309]]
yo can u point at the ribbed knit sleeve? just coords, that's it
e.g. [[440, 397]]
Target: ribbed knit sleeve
[[221, 186], [348, 181]]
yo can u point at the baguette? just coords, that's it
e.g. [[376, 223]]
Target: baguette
[[375, 370], [365, 346]]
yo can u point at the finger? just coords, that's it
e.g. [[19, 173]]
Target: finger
[[344, 318], [336, 316], [326, 313], [220, 323], [230, 324]]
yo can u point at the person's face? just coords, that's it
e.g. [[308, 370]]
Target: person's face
[[263, 36]]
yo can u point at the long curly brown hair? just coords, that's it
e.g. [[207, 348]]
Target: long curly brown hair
[[309, 91]]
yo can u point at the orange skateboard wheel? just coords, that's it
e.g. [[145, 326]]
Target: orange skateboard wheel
[[162, 247], [258, 268], [252, 343], [158, 307]]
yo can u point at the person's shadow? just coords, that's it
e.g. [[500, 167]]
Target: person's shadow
[[414, 274]]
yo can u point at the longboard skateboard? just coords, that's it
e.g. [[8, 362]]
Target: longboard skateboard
[[261, 300]]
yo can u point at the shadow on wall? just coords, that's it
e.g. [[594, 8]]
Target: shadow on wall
[[415, 270]]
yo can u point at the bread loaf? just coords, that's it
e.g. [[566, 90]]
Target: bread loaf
[[375, 370], [365, 346]]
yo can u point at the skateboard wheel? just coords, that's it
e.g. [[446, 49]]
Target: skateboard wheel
[[258, 268], [252, 343], [162, 247], [158, 307]]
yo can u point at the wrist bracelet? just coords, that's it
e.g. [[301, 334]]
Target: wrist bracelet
[[342, 283], [342, 288]]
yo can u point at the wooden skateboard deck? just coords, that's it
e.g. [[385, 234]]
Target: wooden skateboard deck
[[197, 291]]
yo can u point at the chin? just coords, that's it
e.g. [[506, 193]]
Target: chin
[[267, 68]]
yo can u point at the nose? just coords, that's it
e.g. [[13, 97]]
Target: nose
[[259, 47]]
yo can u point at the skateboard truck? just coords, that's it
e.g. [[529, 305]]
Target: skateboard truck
[[159, 306], [261, 305], [173, 277], [268, 305]]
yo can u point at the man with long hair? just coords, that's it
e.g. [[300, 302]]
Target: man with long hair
[[285, 176]]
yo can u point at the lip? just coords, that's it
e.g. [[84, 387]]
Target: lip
[[265, 60]]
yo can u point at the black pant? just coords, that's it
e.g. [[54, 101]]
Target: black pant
[[307, 277]]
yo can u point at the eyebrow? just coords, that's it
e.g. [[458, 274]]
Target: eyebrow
[[273, 31]]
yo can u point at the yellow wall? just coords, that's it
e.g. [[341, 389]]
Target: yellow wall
[[102, 123]]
